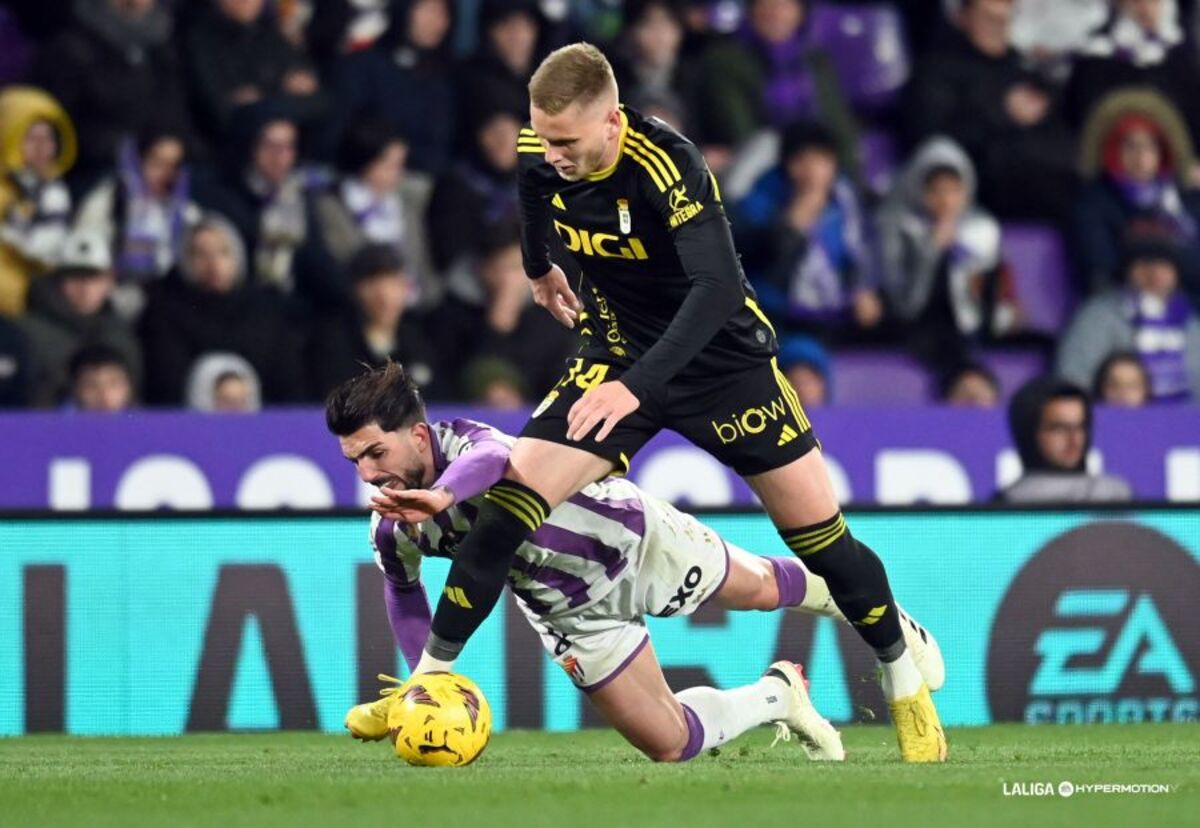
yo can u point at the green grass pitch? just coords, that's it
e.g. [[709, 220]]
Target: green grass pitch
[[592, 778]]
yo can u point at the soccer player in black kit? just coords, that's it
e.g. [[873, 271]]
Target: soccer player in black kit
[[672, 339]]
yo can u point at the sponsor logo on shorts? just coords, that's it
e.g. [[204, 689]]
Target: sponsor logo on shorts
[[753, 420], [690, 581]]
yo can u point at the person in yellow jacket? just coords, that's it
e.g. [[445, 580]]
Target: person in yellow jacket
[[37, 147]]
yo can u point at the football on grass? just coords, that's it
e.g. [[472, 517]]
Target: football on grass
[[440, 720]]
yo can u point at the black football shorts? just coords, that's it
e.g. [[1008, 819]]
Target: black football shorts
[[750, 420]]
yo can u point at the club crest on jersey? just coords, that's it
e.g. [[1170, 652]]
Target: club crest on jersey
[[623, 216]]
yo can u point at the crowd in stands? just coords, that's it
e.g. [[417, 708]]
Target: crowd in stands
[[228, 204]]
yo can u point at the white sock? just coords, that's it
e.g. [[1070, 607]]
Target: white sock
[[817, 600], [727, 714], [901, 678]]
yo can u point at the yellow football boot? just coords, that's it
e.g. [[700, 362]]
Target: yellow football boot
[[368, 721], [918, 728]]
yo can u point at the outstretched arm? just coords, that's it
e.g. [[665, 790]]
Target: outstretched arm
[[408, 615]]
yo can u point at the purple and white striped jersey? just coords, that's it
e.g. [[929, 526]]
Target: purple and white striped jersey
[[571, 561]]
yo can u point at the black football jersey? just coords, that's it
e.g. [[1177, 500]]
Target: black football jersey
[[645, 232]]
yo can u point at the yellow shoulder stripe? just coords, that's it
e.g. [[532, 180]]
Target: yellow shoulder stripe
[[663, 172], [662, 188], [658, 150]]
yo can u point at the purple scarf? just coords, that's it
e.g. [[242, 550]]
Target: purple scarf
[[1159, 197], [152, 224], [1160, 338]]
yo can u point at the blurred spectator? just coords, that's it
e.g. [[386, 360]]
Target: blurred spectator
[[1137, 154], [377, 329], [971, 385], [1049, 33], [806, 365], [235, 55], [941, 258], [974, 88], [1150, 316], [503, 321], [406, 77], [494, 382], [1051, 423], [210, 307], [270, 198], [1142, 44], [1122, 380], [770, 74], [223, 382], [15, 369], [144, 209], [37, 146], [497, 77], [648, 63], [476, 200], [114, 70], [338, 27], [100, 381], [72, 308], [807, 217], [374, 200]]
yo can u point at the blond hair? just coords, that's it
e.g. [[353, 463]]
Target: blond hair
[[578, 72]]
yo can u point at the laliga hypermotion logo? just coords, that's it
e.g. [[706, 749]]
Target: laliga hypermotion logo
[[1097, 628]]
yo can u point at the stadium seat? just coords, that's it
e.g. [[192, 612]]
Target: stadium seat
[[870, 377], [1013, 368], [879, 156], [1039, 269], [866, 43]]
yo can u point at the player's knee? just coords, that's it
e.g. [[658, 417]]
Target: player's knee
[[664, 754]]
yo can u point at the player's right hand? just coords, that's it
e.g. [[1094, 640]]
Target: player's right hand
[[411, 505], [553, 293]]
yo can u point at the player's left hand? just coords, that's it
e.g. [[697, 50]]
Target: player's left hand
[[607, 403], [411, 505]]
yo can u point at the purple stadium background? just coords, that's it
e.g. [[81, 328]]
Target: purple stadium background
[[286, 458]]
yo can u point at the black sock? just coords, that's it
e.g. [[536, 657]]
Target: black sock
[[856, 578], [510, 513]]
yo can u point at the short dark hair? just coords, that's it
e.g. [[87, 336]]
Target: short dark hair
[[374, 259], [941, 171], [96, 355], [803, 136], [951, 377], [385, 395], [364, 142]]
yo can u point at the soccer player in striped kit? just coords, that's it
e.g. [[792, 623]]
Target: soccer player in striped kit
[[596, 566]]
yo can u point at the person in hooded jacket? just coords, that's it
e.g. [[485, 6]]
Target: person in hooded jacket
[[405, 77], [1051, 424], [1137, 154], [941, 259], [37, 147], [208, 306]]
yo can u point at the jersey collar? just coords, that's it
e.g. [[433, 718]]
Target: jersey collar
[[600, 175]]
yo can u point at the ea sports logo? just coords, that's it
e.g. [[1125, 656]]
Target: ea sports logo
[[1098, 627]]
